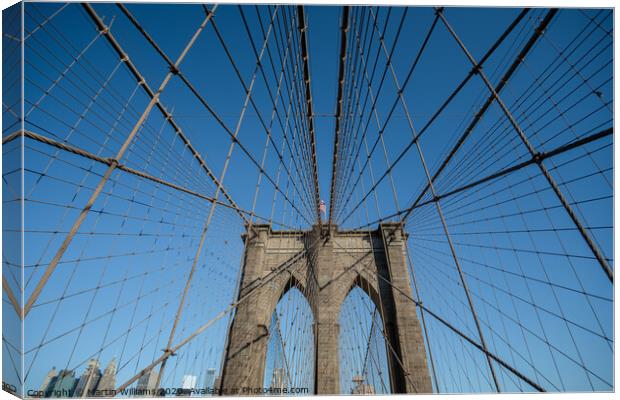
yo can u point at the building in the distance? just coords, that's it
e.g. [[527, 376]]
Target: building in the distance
[[63, 384], [146, 384], [89, 380], [361, 387], [278, 380], [210, 379], [187, 384], [107, 383], [49, 382]]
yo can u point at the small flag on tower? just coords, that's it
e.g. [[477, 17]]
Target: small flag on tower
[[322, 207]]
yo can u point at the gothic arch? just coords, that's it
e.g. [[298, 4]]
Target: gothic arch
[[292, 316], [360, 270], [367, 287], [368, 369], [279, 288]]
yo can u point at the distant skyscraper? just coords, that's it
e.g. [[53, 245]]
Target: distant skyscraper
[[278, 379], [49, 381], [89, 380], [107, 383], [361, 387], [146, 383], [187, 384], [64, 384], [210, 378]]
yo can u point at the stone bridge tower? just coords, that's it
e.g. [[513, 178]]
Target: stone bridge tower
[[325, 266]]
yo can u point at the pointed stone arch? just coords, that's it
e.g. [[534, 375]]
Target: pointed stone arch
[[303, 317], [367, 287], [283, 286], [373, 365]]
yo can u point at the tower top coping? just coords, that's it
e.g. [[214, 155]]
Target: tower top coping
[[333, 230]]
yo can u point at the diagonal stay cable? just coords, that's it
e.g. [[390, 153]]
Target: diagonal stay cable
[[7, 289], [446, 231], [506, 171], [542, 156], [460, 333], [341, 80], [247, 89], [309, 114], [142, 82], [259, 283], [125, 168], [533, 152], [301, 173], [475, 70], [374, 104], [129, 139], [174, 68], [478, 117], [400, 98], [211, 211], [453, 95]]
